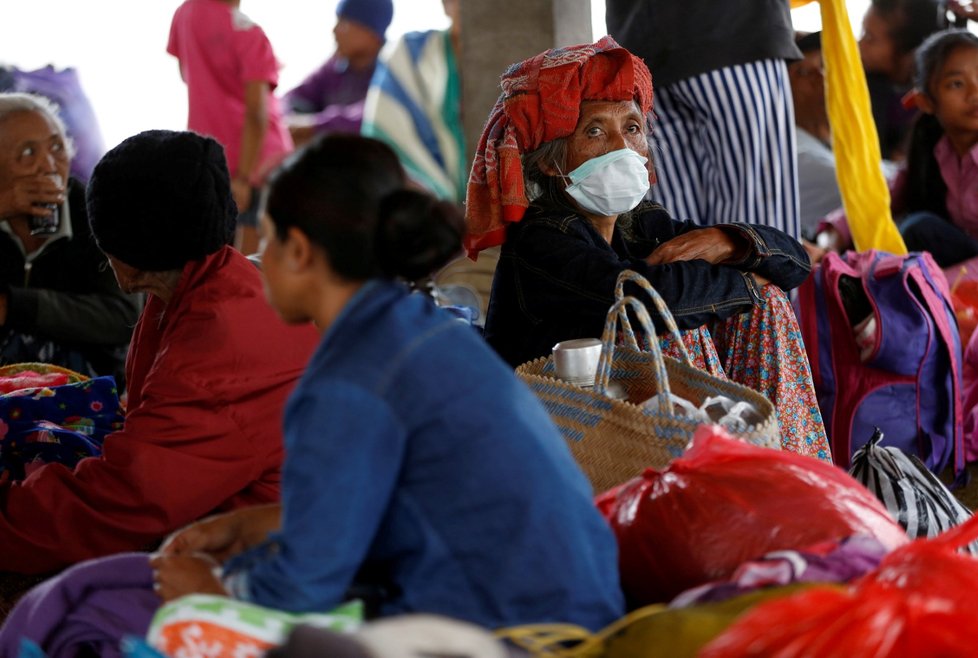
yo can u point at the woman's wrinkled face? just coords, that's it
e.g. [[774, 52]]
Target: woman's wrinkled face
[[126, 276], [606, 126], [132, 280], [31, 145]]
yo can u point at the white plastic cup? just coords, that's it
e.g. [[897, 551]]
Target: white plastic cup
[[576, 361]]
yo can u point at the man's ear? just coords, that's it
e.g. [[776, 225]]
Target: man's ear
[[298, 250]]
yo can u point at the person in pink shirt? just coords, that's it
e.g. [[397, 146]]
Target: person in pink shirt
[[231, 72], [935, 197], [939, 193]]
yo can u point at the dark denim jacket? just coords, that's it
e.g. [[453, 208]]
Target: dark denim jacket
[[556, 276]]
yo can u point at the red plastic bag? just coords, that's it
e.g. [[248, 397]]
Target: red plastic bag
[[963, 280], [964, 297], [920, 602], [725, 502]]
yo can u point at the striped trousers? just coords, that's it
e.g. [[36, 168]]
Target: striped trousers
[[724, 147]]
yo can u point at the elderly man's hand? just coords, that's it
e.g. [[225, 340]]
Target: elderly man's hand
[[178, 575], [31, 195], [713, 245]]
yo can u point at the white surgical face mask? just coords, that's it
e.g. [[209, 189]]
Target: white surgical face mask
[[610, 184]]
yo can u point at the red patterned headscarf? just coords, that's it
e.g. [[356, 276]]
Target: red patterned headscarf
[[541, 101]]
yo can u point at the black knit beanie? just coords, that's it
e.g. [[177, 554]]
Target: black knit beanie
[[161, 199]]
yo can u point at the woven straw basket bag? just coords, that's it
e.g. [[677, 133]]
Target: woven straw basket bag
[[614, 440], [13, 369]]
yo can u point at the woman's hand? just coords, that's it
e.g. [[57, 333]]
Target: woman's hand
[[713, 245], [178, 575], [31, 195], [815, 252], [224, 535]]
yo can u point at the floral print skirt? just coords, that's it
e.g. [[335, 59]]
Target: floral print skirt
[[763, 350]]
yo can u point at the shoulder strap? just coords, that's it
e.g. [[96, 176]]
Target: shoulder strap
[[934, 289]]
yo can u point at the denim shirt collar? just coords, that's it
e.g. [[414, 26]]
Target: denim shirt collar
[[549, 205], [373, 295]]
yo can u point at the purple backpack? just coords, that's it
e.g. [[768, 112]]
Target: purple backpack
[[908, 381]]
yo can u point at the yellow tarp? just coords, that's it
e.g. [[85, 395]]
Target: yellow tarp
[[865, 195]]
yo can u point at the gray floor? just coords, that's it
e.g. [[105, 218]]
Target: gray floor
[[968, 495]]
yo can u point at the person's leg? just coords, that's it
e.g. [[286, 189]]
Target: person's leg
[[744, 141], [763, 350], [926, 231]]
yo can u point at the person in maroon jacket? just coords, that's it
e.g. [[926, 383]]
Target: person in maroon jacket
[[209, 368]]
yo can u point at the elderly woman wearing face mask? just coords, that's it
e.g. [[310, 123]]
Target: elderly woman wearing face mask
[[59, 303], [560, 178]]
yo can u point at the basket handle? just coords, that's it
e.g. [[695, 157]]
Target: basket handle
[[619, 313], [660, 307]]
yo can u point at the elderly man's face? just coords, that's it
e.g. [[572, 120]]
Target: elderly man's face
[[606, 126], [31, 145]]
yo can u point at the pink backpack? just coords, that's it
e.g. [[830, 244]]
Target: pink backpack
[[904, 377]]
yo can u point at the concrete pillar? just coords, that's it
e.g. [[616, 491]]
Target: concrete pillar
[[495, 34]]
